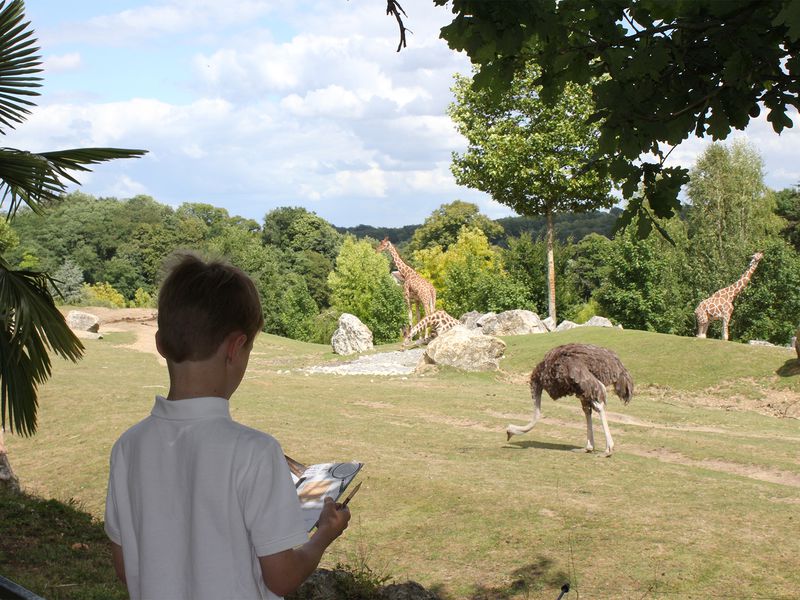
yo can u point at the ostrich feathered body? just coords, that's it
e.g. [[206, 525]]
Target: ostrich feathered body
[[582, 370]]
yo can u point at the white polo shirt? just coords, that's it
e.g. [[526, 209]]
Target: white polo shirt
[[194, 499]]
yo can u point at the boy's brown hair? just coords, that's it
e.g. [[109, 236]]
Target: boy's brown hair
[[200, 303]]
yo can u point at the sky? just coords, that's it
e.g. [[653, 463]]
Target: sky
[[255, 104]]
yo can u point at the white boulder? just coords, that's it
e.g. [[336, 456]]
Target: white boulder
[[351, 336], [466, 350]]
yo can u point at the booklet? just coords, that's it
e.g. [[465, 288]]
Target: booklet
[[316, 482]]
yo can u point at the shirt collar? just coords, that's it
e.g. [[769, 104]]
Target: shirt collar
[[191, 408]]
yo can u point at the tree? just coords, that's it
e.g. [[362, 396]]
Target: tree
[[644, 283], [658, 72], [768, 308], [445, 223], [361, 285], [530, 155], [297, 229], [730, 217], [30, 324], [787, 206]]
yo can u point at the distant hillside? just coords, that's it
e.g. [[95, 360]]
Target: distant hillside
[[567, 226]]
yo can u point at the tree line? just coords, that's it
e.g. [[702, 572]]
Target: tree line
[[109, 251]]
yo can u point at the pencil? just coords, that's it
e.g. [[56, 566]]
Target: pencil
[[350, 496]]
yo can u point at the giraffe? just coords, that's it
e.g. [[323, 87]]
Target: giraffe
[[719, 306], [416, 289], [439, 322]]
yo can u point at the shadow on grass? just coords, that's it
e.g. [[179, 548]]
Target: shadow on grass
[[55, 549], [542, 445], [791, 368], [538, 576]]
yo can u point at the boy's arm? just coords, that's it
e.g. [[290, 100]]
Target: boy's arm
[[285, 571], [119, 563]]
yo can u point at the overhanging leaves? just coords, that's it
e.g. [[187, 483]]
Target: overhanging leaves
[[30, 327]]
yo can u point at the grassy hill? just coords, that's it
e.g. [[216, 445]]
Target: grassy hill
[[699, 499]]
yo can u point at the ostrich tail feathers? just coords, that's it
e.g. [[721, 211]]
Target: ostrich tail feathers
[[624, 387]]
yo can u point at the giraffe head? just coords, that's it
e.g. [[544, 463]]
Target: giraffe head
[[757, 256], [383, 245]]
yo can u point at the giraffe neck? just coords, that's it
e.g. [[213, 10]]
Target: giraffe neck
[[404, 269], [737, 287]]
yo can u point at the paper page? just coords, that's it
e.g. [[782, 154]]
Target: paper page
[[320, 481]]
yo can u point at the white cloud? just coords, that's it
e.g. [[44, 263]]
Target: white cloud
[[158, 19], [125, 187], [60, 63]]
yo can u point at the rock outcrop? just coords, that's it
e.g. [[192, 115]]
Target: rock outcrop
[[465, 349], [82, 321], [512, 322], [351, 336]]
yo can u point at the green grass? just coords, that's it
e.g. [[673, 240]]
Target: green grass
[[699, 500]]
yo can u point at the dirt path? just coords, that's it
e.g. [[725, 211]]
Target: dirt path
[[140, 321]]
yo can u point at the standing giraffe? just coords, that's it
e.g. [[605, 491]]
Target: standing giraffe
[[720, 305], [416, 289]]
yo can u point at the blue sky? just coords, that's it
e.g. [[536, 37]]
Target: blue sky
[[255, 104]]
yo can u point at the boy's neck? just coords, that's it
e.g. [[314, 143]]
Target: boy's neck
[[196, 379]]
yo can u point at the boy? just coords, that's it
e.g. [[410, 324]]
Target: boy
[[199, 506]]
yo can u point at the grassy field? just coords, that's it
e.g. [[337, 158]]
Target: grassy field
[[700, 500]]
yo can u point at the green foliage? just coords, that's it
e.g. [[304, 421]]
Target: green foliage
[[8, 237], [526, 262], [143, 299], [361, 285], [658, 71], [530, 155], [769, 307], [297, 229], [443, 226], [102, 294], [644, 286], [730, 218], [68, 279], [787, 206], [469, 276]]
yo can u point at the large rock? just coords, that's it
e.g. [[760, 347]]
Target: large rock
[[564, 325], [351, 336], [797, 342], [597, 321], [550, 323], [470, 319], [466, 350], [82, 321], [512, 322]]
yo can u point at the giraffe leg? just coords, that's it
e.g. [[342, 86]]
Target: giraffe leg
[[587, 410], [725, 327], [600, 408]]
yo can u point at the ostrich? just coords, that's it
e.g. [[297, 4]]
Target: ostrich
[[584, 371]]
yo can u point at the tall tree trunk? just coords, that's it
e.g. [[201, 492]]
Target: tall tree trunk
[[7, 478], [551, 269]]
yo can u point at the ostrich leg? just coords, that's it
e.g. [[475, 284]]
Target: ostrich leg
[[600, 408], [587, 410]]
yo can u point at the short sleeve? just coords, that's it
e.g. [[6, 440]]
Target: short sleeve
[[111, 520], [270, 505]]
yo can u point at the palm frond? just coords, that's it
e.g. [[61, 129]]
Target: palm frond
[[30, 327], [19, 63], [35, 179]]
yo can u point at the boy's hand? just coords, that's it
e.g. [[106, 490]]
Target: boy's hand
[[333, 519]]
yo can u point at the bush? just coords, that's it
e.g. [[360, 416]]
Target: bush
[[102, 294]]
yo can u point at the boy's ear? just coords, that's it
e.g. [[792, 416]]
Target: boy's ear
[[158, 343], [234, 344]]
